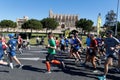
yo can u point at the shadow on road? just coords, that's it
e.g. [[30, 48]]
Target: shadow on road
[[30, 68], [4, 71]]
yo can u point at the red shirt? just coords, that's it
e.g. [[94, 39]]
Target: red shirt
[[93, 43], [57, 42]]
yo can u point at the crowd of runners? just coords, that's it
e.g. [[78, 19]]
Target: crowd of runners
[[9, 47], [97, 49]]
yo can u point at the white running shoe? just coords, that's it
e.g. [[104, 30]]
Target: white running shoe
[[11, 65]]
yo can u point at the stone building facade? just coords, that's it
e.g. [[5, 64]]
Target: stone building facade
[[20, 21], [65, 20]]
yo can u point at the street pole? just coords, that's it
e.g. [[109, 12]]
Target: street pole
[[116, 18]]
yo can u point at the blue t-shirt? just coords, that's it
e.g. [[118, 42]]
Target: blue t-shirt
[[67, 42], [111, 42], [1, 48], [12, 43], [88, 40], [62, 41], [99, 41], [76, 43]]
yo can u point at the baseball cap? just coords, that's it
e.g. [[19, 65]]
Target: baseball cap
[[11, 35]]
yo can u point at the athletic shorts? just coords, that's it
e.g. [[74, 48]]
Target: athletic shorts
[[50, 57], [12, 53], [101, 48], [112, 56], [76, 48], [19, 45], [92, 52]]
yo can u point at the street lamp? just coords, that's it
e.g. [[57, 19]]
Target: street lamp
[[116, 18]]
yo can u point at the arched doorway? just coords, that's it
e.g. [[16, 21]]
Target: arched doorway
[[63, 26]]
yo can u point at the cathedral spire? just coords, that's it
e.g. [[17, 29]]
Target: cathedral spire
[[50, 13]]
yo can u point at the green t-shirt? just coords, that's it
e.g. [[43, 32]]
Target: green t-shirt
[[53, 44]]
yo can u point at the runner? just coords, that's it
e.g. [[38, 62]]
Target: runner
[[66, 44], [71, 46], [57, 43], [76, 47], [50, 58], [92, 53], [110, 44], [1, 52], [62, 44], [20, 42], [88, 42], [4, 45], [100, 43], [12, 54]]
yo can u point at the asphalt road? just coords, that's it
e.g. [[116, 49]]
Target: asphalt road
[[34, 68]]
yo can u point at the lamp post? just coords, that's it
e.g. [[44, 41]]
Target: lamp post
[[116, 18]]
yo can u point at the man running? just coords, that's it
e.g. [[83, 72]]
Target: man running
[[2, 52], [12, 54], [50, 58], [20, 42], [110, 44]]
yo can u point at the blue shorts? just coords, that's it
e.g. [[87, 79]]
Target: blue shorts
[[12, 53], [1, 55]]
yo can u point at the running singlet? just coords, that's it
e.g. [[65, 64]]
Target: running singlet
[[53, 44]]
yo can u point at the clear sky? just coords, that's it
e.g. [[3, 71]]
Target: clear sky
[[39, 9]]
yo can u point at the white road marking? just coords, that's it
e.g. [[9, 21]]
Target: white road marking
[[32, 59], [39, 51]]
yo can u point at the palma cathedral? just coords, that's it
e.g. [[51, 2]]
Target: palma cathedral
[[65, 20]]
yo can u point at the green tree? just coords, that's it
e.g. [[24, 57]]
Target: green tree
[[7, 24], [32, 24], [118, 27], [110, 20], [84, 24], [49, 23]]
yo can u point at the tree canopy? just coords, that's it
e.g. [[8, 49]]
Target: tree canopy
[[110, 19], [32, 24], [8, 24], [49, 23], [84, 24]]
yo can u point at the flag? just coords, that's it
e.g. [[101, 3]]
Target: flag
[[67, 33], [99, 24]]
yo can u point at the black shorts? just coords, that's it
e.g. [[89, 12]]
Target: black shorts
[[92, 52], [19, 45], [112, 56], [50, 57], [101, 48], [62, 47], [75, 50]]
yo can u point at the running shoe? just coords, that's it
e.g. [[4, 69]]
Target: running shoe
[[101, 77], [11, 65], [19, 66], [95, 71], [63, 65], [48, 72]]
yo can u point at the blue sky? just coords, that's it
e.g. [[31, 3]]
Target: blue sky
[[39, 9]]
